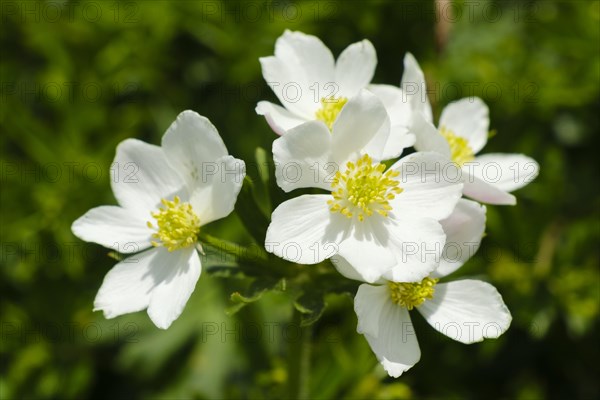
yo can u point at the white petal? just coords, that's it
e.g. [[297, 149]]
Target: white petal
[[191, 143], [303, 157], [278, 118], [128, 285], [113, 227], [194, 147], [467, 311], [344, 268], [300, 61], [427, 137], [214, 196], [417, 244], [304, 231], [357, 124], [308, 53], [380, 147], [369, 302], [289, 86], [507, 172], [142, 176], [399, 139], [170, 296], [479, 190], [396, 345], [468, 118], [399, 113], [365, 248], [414, 87], [430, 186], [464, 230], [394, 101], [355, 67]]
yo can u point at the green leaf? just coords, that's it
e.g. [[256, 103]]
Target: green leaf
[[311, 305], [255, 291]]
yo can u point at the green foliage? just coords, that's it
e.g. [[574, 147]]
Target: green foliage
[[74, 87]]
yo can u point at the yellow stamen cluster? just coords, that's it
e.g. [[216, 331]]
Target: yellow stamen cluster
[[177, 225], [363, 189], [411, 295], [460, 150], [330, 108]]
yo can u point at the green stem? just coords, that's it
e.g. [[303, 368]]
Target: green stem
[[234, 249], [299, 359], [255, 256]]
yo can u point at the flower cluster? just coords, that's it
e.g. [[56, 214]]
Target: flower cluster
[[399, 225]]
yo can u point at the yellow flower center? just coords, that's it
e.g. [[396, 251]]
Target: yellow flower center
[[411, 295], [460, 150], [177, 225], [363, 189], [330, 108]]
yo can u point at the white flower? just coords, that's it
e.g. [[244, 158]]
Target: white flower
[[311, 85], [462, 132], [465, 310], [165, 195], [370, 214]]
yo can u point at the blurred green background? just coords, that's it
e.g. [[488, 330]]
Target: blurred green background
[[79, 77]]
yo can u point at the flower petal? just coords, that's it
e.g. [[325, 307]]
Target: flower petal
[[303, 230], [214, 178], [355, 67], [479, 190], [399, 113], [142, 177], [369, 302], [357, 124], [308, 53], [394, 101], [303, 157], [113, 227], [417, 245], [464, 230], [365, 248], [467, 311], [468, 118], [414, 87], [214, 198], [278, 118], [300, 61], [427, 137], [507, 172], [190, 143], [429, 187], [395, 345], [170, 296], [128, 285], [345, 269]]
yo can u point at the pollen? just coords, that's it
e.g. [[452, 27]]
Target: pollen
[[177, 225], [411, 295], [460, 150], [330, 108], [363, 189]]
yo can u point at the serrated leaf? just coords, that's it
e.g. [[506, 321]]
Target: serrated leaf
[[311, 305]]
